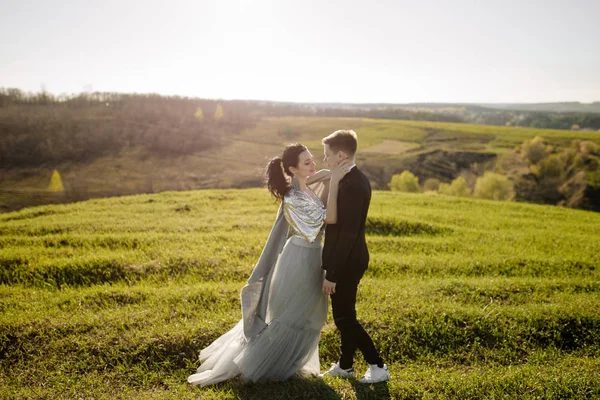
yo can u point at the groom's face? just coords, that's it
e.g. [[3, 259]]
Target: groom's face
[[332, 158]]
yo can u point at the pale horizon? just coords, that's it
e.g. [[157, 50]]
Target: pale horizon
[[393, 52]]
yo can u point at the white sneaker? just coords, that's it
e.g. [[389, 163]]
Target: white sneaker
[[375, 374], [337, 371]]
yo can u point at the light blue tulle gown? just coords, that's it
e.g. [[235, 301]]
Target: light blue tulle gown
[[283, 307]]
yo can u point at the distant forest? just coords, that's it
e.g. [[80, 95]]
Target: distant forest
[[41, 129], [467, 113], [44, 130]]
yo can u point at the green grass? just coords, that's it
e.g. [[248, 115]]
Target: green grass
[[466, 299], [458, 136], [240, 160]]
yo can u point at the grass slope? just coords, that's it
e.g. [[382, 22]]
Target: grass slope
[[466, 299], [389, 145]]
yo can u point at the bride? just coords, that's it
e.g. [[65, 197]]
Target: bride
[[283, 306]]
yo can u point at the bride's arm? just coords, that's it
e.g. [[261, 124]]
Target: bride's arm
[[331, 216], [336, 175], [321, 174]]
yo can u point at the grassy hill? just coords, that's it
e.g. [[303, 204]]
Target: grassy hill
[[467, 299], [429, 149]]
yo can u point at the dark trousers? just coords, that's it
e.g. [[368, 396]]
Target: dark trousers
[[343, 303]]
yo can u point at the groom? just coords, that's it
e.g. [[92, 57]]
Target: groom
[[346, 257]]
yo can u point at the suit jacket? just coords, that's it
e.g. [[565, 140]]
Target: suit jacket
[[345, 253]]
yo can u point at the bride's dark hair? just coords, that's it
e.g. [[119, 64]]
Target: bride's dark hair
[[276, 181]]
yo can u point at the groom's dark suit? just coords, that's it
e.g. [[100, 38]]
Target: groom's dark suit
[[345, 258]]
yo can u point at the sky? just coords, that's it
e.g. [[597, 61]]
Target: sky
[[390, 51]]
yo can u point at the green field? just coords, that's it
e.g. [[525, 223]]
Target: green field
[[466, 299], [385, 147], [403, 141]]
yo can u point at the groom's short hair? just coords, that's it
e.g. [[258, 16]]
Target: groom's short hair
[[342, 140]]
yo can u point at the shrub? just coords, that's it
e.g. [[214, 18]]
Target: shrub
[[587, 147], [593, 178], [551, 167], [533, 150], [458, 187], [494, 186], [405, 182], [431, 184]]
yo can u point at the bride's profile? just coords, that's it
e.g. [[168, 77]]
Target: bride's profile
[[283, 306]]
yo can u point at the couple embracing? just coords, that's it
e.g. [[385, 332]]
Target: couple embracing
[[284, 303]]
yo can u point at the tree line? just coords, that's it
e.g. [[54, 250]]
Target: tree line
[[538, 119], [43, 129]]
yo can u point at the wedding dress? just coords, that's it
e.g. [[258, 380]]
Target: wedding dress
[[283, 307]]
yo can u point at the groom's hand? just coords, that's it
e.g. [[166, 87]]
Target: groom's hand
[[328, 287]]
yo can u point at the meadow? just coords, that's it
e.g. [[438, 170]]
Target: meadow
[[466, 299], [386, 147]]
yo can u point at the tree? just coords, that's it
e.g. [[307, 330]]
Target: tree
[[593, 178], [574, 190], [431, 185], [533, 150], [405, 182], [56, 184], [588, 147], [219, 113], [550, 167], [458, 187], [494, 186], [199, 114]]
